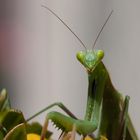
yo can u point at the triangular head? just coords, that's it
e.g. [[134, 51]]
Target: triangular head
[[90, 58]]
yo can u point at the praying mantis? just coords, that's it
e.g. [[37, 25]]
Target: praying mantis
[[106, 111]]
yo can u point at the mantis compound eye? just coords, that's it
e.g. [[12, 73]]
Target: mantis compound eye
[[100, 54], [80, 56]]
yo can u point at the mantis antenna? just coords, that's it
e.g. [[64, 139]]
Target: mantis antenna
[[74, 32], [66, 26], [102, 29]]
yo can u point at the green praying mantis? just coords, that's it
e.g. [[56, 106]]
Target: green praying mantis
[[106, 111]]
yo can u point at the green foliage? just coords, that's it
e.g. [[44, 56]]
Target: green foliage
[[4, 101], [11, 118], [13, 125], [17, 133]]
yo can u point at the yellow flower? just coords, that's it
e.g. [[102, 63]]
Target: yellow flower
[[33, 136], [88, 138], [102, 138]]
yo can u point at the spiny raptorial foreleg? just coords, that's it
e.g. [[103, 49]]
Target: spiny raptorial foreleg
[[67, 124]]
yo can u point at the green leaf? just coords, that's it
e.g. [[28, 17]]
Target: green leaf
[[11, 118], [4, 101], [1, 136], [17, 133]]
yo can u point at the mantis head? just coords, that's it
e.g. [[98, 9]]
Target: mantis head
[[90, 58]]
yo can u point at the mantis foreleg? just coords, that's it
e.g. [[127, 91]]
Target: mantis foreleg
[[59, 104], [123, 120]]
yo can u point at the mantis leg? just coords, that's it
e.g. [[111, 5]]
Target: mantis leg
[[73, 133], [124, 120], [87, 126], [59, 104], [65, 136]]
